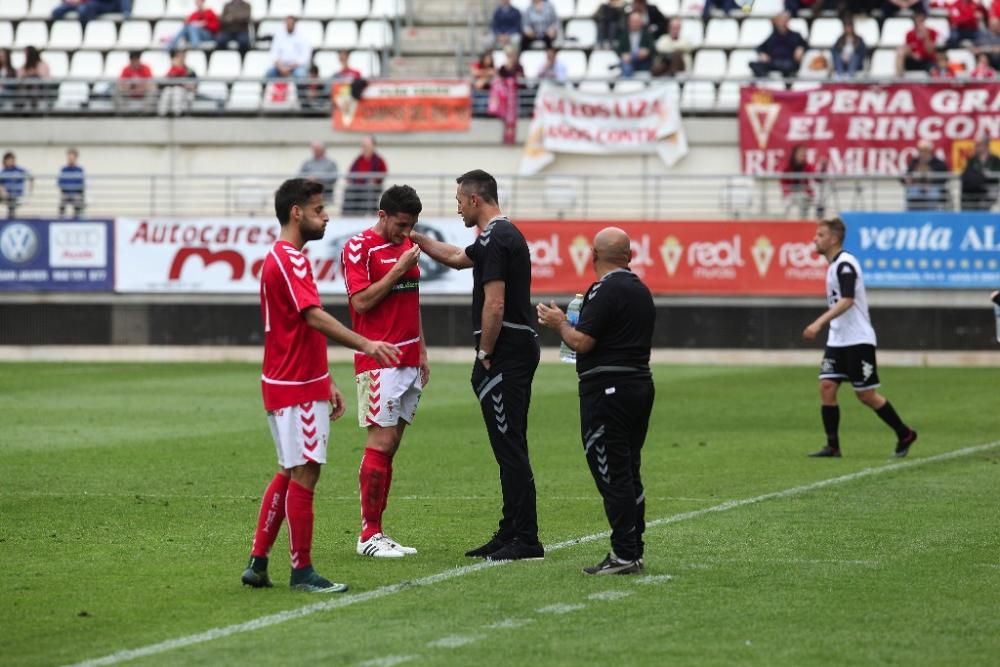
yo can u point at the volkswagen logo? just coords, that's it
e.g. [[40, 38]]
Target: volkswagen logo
[[18, 243]]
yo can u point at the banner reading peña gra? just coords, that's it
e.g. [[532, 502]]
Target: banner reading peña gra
[[569, 121], [403, 106], [866, 129]]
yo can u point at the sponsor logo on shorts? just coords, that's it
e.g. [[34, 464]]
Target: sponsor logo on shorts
[[867, 369], [828, 365]]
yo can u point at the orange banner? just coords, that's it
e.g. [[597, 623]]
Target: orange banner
[[403, 106], [774, 258]]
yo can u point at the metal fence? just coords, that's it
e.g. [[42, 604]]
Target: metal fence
[[574, 197]]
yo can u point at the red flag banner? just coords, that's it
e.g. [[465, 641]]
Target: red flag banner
[[865, 129]]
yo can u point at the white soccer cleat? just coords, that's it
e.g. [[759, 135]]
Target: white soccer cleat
[[377, 546], [409, 551]]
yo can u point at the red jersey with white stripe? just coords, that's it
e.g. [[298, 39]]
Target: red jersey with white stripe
[[367, 258], [295, 363]]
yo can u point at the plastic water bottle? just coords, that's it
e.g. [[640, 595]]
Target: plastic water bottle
[[996, 312], [566, 353]]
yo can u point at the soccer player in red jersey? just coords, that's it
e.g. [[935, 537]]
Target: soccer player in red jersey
[[383, 283], [296, 382]]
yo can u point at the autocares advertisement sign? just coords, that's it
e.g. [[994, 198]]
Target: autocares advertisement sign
[[55, 256], [926, 250], [739, 258]]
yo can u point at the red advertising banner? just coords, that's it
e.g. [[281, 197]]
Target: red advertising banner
[[865, 129], [737, 258], [403, 106]]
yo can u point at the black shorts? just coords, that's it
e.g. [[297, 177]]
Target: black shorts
[[854, 362]]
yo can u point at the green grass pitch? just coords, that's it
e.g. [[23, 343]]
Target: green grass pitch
[[128, 495]]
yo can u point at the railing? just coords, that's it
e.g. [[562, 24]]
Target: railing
[[572, 197]]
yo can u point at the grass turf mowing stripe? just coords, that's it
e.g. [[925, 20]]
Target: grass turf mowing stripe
[[356, 598]]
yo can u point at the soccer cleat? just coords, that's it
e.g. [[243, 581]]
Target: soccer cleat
[[903, 446], [409, 551], [255, 575], [612, 564], [308, 580], [377, 546], [495, 544], [518, 550], [827, 452]]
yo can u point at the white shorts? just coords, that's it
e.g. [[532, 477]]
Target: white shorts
[[300, 433], [387, 395]]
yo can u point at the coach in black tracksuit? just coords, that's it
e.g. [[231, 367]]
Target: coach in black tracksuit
[[507, 355], [612, 341]]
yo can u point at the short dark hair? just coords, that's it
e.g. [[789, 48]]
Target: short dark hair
[[836, 227], [478, 182], [134, 55], [8, 155], [400, 199], [294, 192]]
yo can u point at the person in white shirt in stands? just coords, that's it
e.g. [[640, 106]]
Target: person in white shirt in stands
[[552, 69], [290, 52]]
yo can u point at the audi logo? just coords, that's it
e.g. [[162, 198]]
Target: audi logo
[[69, 237]]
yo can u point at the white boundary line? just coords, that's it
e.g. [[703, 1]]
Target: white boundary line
[[356, 598]]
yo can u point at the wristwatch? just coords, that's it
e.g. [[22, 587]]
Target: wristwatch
[[483, 356]]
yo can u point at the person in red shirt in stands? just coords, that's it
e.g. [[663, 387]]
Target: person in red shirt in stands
[[964, 17], [919, 53], [136, 80], [201, 26], [362, 193], [346, 72], [983, 69]]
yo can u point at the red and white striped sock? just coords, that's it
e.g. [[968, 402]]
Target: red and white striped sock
[[299, 512], [272, 513]]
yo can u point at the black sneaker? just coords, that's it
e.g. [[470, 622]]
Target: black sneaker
[[612, 564], [903, 446], [495, 544], [827, 452], [308, 580], [256, 573], [518, 550]]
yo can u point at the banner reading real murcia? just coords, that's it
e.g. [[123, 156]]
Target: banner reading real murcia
[[569, 121], [865, 129]]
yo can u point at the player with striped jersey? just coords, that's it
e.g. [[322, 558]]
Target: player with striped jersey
[[850, 347]]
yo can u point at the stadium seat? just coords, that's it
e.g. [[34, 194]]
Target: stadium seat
[[256, 64], [629, 86], [729, 96], [225, 65], [41, 9], [698, 95], [215, 5], [279, 9], [586, 9], [894, 31], [739, 64], [58, 62], [258, 9], [214, 93], [164, 31], [135, 35], [805, 85], [320, 9], [603, 65], [669, 8], [157, 60], [816, 64], [575, 62], [386, 9], [709, 64], [691, 8], [521, 4], [312, 31], [800, 26], [341, 35], [532, 62], [826, 32], [178, 9], [100, 35], [940, 25], [327, 62], [375, 34], [197, 60], [753, 32], [499, 58], [868, 30], [722, 34], [87, 65], [597, 87], [148, 9], [693, 31], [6, 32], [564, 8], [581, 33], [269, 27], [13, 9], [353, 9], [72, 96], [369, 63], [114, 63], [31, 33], [245, 96], [768, 8], [65, 35], [883, 63]]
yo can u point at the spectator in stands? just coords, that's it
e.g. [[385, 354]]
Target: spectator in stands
[[981, 178], [362, 193], [988, 43], [234, 26], [321, 169], [482, 71], [135, 85], [505, 97], [635, 47], [539, 23], [926, 180], [919, 52], [671, 51], [849, 51], [610, 20], [7, 70], [202, 25], [290, 52], [717, 8], [175, 97], [653, 20], [983, 69], [964, 18], [346, 72], [782, 51], [892, 7], [505, 25], [71, 185], [13, 180], [314, 92], [87, 10], [552, 69], [944, 68], [32, 90], [797, 188]]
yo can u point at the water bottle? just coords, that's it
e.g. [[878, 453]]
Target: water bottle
[[566, 353], [996, 312]]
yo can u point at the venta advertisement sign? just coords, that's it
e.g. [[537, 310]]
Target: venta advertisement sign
[[55, 256]]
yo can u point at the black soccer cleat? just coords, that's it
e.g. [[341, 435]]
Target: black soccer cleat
[[827, 452], [308, 580], [255, 575], [612, 564], [495, 544], [518, 550], [903, 446]]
